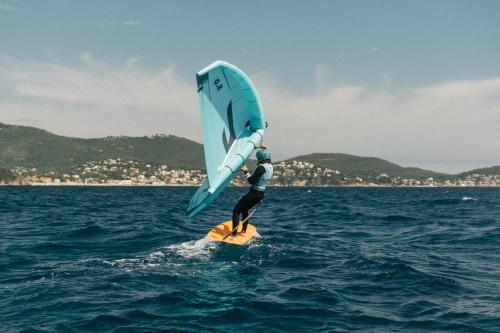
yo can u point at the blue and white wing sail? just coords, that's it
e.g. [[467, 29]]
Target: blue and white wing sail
[[233, 126]]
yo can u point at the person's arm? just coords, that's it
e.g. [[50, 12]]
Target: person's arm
[[259, 171]]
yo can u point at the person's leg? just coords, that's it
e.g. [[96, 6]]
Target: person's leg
[[255, 198], [244, 216], [236, 218], [238, 209]]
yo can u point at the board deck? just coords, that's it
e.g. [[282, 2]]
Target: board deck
[[219, 232]]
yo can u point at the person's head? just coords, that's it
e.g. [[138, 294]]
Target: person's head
[[263, 156]]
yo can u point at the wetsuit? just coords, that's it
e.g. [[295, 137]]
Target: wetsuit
[[259, 180]]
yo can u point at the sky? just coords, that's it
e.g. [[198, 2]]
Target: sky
[[413, 82]]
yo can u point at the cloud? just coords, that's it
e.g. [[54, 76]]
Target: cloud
[[463, 89], [124, 23], [322, 75], [448, 125], [96, 99], [131, 23], [7, 7]]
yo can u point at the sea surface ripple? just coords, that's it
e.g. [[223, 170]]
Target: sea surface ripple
[[127, 259]]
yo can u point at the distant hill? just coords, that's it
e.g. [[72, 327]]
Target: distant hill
[[35, 148], [366, 167], [494, 170], [29, 147], [5, 175]]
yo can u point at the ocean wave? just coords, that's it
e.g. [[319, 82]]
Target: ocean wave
[[395, 218], [89, 231], [199, 249], [331, 260]]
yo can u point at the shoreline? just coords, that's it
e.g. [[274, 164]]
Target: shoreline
[[271, 186]]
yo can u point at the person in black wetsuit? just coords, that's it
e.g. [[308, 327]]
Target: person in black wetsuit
[[259, 180]]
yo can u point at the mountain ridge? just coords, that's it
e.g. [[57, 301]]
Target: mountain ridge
[[37, 148], [32, 147], [493, 170], [362, 166]]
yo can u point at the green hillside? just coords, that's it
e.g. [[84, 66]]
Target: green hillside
[[494, 170], [29, 147], [35, 148], [5, 175], [366, 167]]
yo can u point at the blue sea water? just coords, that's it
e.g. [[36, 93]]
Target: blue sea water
[[126, 259]]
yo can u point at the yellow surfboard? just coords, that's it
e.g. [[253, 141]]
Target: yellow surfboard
[[219, 232]]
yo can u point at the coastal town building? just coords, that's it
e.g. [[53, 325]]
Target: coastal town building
[[287, 173]]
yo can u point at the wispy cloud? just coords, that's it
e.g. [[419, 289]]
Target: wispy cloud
[[99, 96], [463, 89], [130, 23], [7, 7], [447, 124], [444, 126], [124, 23]]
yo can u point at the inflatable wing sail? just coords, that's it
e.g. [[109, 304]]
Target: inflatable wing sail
[[233, 126]]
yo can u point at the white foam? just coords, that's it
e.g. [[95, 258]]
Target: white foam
[[254, 239], [201, 248], [468, 199], [127, 263], [156, 255]]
